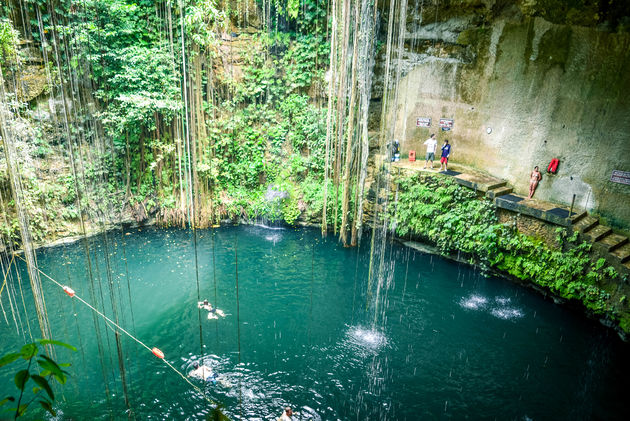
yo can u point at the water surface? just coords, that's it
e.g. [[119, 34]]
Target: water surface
[[448, 343]]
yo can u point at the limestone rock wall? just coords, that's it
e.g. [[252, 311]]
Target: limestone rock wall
[[521, 91]]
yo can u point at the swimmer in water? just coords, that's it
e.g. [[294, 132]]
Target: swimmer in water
[[287, 415], [203, 372], [213, 313]]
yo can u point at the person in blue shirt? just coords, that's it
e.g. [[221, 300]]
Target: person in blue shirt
[[446, 152]]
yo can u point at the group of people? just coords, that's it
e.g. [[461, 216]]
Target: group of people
[[431, 144], [205, 373]]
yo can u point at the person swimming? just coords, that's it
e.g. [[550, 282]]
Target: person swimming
[[203, 372], [287, 415], [213, 312]]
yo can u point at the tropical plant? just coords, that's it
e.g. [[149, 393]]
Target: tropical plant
[[40, 373]]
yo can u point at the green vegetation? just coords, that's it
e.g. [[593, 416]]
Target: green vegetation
[[47, 370], [8, 44], [580, 12], [158, 115], [438, 210], [192, 112]]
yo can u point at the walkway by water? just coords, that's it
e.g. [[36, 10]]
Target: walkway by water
[[614, 246]]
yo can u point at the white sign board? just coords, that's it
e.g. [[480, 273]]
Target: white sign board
[[423, 122], [446, 124], [621, 177]]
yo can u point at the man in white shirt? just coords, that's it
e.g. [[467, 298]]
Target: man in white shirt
[[431, 147]]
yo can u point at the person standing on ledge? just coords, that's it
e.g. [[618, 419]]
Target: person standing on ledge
[[395, 151], [446, 152], [431, 147], [534, 178]]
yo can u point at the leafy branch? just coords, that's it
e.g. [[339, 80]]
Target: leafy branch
[[48, 369]]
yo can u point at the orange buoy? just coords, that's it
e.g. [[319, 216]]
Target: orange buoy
[[68, 291], [158, 353]]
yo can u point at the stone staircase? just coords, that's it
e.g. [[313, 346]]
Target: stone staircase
[[602, 236], [499, 191], [613, 245]]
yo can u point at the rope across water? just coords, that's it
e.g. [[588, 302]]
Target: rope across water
[[121, 329]]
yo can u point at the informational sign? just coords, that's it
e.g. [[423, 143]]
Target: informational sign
[[621, 177], [423, 122], [446, 124]]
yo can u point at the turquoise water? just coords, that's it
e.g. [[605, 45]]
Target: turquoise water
[[448, 343]]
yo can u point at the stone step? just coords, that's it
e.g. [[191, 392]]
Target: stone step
[[494, 185], [613, 241], [491, 194], [622, 253], [597, 233], [586, 223], [575, 218]]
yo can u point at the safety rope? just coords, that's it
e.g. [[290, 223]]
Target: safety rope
[[154, 351]]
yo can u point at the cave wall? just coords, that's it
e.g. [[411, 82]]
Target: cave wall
[[545, 90]]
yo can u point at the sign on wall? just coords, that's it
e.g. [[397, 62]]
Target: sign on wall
[[446, 124], [621, 177], [423, 122]]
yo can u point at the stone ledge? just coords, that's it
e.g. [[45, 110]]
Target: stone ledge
[[523, 206]]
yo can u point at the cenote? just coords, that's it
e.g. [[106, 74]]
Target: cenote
[[445, 341]]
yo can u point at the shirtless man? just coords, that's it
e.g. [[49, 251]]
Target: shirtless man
[[213, 313], [203, 372], [534, 178], [287, 415]]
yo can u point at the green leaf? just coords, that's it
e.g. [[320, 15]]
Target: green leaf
[[28, 351], [600, 263], [48, 364], [43, 383], [7, 399], [53, 342], [9, 358], [51, 362], [21, 377], [48, 407]]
